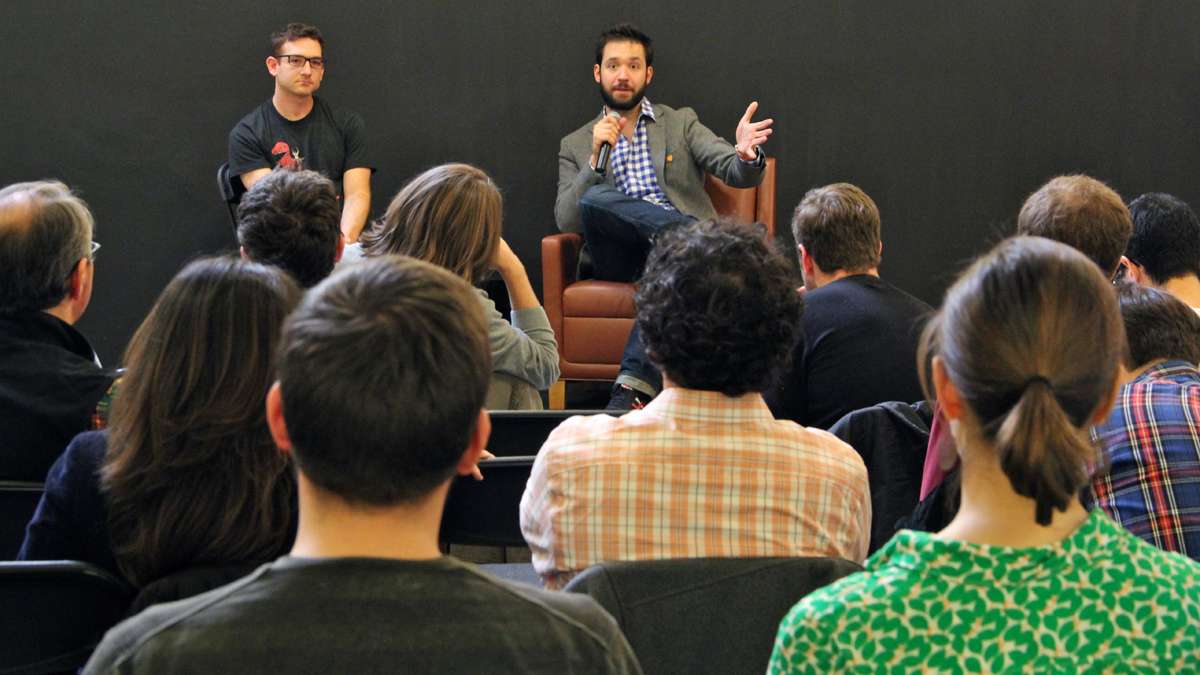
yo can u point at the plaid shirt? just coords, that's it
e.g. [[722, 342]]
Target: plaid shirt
[[693, 474], [632, 167], [1152, 438]]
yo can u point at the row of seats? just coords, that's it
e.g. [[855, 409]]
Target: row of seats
[[471, 515], [703, 615]]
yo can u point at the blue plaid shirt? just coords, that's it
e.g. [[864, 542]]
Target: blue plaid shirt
[[1152, 438], [632, 166]]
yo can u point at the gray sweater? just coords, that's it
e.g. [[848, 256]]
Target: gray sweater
[[524, 356], [369, 615], [524, 352]]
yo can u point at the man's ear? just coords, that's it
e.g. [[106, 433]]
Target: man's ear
[[596, 72], [948, 396], [1134, 272], [272, 65], [806, 264], [275, 421], [341, 248], [476, 444], [77, 283], [649, 74]]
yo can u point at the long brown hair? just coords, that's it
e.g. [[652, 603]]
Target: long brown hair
[[449, 215], [1031, 337], [191, 475]]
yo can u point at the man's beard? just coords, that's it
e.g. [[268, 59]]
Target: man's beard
[[634, 100]]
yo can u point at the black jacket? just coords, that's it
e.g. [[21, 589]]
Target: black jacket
[[50, 383]]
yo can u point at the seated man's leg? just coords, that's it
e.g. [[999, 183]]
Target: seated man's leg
[[637, 373], [618, 230]]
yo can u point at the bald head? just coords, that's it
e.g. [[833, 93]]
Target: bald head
[[45, 237], [1080, 212]]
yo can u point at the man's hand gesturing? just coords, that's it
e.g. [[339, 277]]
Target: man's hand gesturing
[[750, 135]]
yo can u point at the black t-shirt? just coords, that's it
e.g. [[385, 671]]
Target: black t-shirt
[[326, 140], [858, 348], [369, 615]]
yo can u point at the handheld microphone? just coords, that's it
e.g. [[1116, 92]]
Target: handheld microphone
[[605, 150]]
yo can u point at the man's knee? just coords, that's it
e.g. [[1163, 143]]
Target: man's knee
[[599, 197]]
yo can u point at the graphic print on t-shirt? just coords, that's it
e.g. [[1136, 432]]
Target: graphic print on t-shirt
[[286, 157]]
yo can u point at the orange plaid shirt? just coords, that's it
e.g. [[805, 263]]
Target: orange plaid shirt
[[693, 474]]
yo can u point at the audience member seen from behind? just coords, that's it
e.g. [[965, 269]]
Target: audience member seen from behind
[[187, 473], [1150, 439], [1025, 357], [291, 219], [1078, 211], [703, 470], [450, 216], [1164, 251], [50, 377], [859, 336], [400, 349], [1082, 213]]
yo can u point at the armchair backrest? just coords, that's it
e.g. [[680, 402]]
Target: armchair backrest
[[756, 204]]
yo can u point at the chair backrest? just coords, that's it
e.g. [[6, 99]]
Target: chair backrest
[[55, 613], [755, 204], [705, 615], [231, 191], [522, 432], [487, 512], [18, 501]]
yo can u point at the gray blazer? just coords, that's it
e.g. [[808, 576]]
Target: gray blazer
[[677, 134]]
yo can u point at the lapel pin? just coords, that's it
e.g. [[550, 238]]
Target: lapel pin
[[670, 158]]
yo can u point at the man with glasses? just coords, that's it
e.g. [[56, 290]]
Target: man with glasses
[[50, 378], [297, 130]]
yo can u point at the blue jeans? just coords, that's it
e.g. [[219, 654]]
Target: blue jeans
[[619, 231]]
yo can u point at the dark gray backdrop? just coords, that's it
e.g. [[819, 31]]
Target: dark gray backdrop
[[947, 113]]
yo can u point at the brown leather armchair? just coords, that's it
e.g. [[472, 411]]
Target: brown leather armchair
[[592, 319]]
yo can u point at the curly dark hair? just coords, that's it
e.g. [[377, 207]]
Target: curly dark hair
[[718, 307], [291, 219]]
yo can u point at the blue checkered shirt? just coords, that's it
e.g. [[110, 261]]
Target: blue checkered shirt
[[1152, 439], [632, 167]]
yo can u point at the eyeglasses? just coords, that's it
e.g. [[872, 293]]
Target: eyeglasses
[[297, 61], [95, 246]]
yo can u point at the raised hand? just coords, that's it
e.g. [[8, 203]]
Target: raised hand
[[607, 130], [750, 135]]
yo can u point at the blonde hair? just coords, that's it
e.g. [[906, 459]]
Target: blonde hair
[[1031, 337], [449, 215]]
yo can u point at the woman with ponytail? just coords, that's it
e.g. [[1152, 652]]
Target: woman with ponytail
[[1023, 359]]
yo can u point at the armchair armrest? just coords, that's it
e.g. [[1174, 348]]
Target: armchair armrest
[[560, 265]]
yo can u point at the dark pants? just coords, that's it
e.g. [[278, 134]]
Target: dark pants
[[619, 231]]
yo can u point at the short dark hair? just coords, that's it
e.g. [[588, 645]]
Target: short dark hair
[[1166, 236], [291, 219], [384, 368], [45, 231], [718, 307], [625, 32], [838, 225], [1082, 213], [295, 31], [1157, 326]]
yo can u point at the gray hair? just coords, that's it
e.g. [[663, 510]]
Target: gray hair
[[44, 231]]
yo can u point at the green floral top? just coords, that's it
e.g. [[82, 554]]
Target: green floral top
[[1101, 600]]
